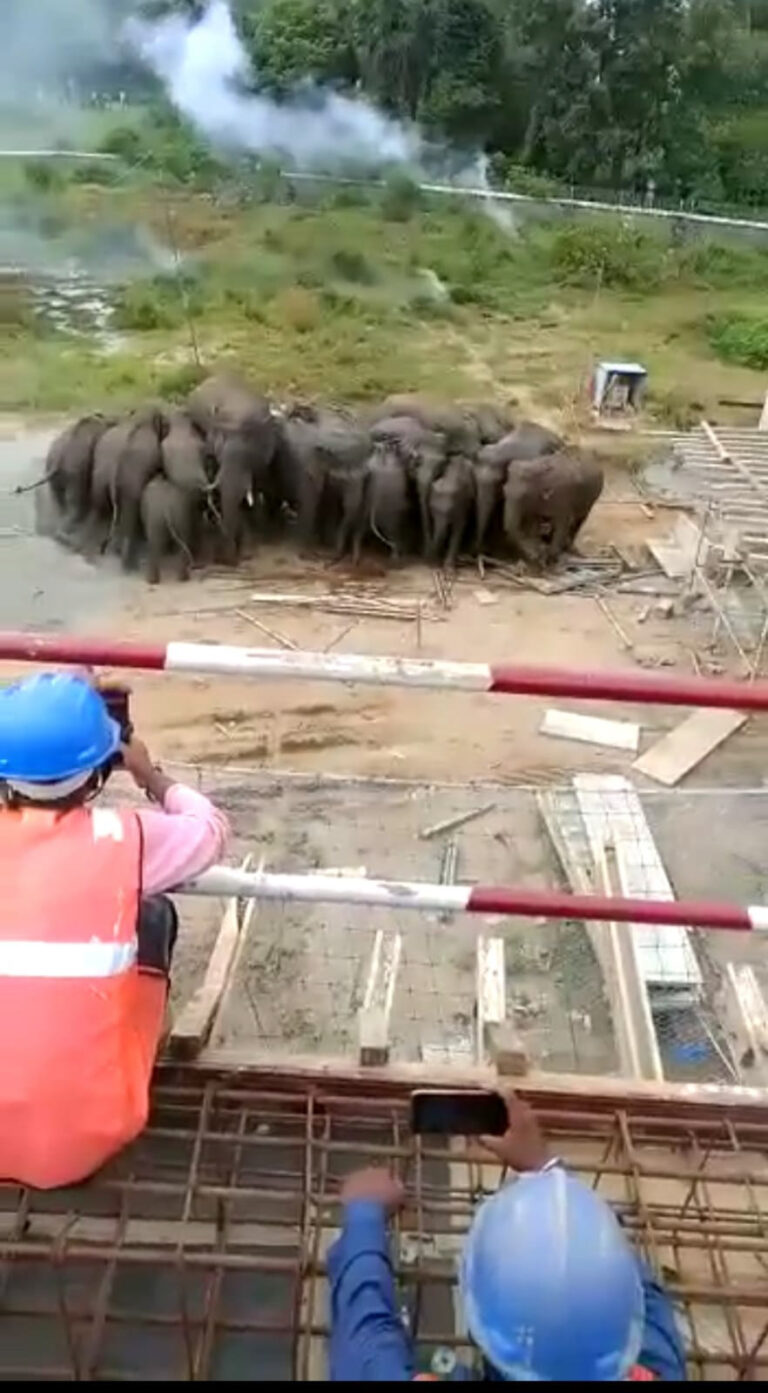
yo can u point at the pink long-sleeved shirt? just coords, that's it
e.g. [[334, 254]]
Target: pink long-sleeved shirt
[[180, 841]]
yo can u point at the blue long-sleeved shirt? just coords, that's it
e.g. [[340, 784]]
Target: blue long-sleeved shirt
[[369, 1342]]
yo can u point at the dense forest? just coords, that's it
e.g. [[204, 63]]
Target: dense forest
[[661, 98]]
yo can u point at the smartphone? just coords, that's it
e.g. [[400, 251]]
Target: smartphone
[[118, 703], [461, 1113]]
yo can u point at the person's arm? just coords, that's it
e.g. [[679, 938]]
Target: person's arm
[[183, 836], [661, 1352], [369, 1343]]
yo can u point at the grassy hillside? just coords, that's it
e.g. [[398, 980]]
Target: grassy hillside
[[349, 299]]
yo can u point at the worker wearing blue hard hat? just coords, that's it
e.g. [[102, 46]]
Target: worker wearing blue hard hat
[[550, 1287], [86, 932]]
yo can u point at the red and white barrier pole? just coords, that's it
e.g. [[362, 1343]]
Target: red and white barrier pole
[[475, 899], [581, 684]]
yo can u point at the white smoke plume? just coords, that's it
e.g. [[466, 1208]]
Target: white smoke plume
[[206, 72]]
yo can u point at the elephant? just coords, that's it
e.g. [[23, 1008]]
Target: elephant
[[186, 460], [460, 431], [387, 498], [492, 421], [126, 457], [320, 474], [408, 436], [527, 441], [450, 502], [69, 466], [489, 475], [546, 501], [169, 520], [242, 433]]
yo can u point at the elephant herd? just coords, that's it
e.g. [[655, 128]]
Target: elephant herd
[[183, 485]]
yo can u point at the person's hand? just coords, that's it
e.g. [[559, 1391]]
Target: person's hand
[[137, 761], [522, 1147], [375, 1184]]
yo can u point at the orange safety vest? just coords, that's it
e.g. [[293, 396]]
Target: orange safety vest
[[79, 1025]]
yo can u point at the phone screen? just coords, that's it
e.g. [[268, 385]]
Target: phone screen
[[461, 1113]]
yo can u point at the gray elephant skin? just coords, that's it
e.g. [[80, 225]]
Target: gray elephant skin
[[320, 469], [126, 457], [69, 467], [169, 521], [546, 502], [242, 435], [388, 500], [451, 497]]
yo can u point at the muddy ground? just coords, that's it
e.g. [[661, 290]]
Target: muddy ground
[[303, 970]]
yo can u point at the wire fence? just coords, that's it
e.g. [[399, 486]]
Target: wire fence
[[305, 969]]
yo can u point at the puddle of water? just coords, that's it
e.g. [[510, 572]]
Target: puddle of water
[[70, 303], [43, 586]]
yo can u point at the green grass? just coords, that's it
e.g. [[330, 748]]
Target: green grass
[[353, 297]]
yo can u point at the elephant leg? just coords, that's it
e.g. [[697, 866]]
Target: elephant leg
[[232, 497], [454, 542], [309, 509], [426, 524], [129, 523]]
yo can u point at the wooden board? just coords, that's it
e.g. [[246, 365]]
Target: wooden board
[[672, 757], [194, 1023], [594, 730]]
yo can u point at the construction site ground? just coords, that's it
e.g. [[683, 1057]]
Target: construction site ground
[[319, 775], [200, 1252]]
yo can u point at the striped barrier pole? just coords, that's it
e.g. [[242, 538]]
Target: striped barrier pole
[[474, 899], [229, 659]]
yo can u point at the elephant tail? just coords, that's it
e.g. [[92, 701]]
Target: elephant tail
[[181, 544], [379, 534]]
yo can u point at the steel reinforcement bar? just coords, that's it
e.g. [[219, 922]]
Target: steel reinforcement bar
[[504, 678], [475, 899]]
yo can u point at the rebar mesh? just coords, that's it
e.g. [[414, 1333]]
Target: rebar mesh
[[301, 979], [200, 1253]]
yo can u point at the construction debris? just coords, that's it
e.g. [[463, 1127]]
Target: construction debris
[[681, 749], [281, 639], [366, 607], [448, 824], [594, 730]]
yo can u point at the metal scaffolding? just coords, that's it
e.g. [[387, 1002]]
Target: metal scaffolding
[[200, 1253]]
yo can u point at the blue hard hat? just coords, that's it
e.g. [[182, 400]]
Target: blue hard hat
[[52, 727], [550, 1285]]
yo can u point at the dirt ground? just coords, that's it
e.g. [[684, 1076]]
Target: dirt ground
[[302, 974]]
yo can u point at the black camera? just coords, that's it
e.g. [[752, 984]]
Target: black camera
[[117, 701]]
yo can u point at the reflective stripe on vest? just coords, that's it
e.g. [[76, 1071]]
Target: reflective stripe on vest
[[37, 958], [75, 1078]]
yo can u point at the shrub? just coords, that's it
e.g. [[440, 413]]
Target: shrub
[[298, 308], [125, 142], [44, 175], [611, 253], [400, 198], [101, 172], [174, 384], [352, 265], [148, 305], [740, 338]]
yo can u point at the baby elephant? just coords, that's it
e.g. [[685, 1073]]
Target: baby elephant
[[168, 519]]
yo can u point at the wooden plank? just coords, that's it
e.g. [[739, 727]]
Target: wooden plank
[[373, 1018], [194, 1023], [749, 1016], [636, 1039], [594, 730], [613, 815], [672, 757]]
